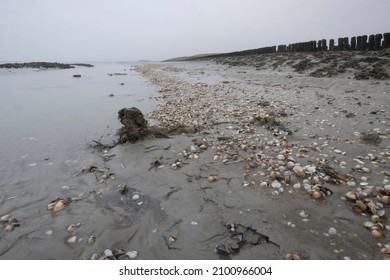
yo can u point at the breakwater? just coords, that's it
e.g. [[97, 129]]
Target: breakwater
[[373, 42]]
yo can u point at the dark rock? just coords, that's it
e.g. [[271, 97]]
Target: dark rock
[[76, 76]]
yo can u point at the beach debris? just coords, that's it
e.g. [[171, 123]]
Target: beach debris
[[58, 204], [239, 236]]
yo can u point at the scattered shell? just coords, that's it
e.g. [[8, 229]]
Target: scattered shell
[[366, 169], [91, 239], [303, 214], [5, 218], [72, 239], [212, 178], [375, 218], [385, 199], [276, 185], [332, 231], [298, 170], [381, 213], [92, 195], [136, 197], [361, 205], [59, 206], [171, 239], [352, 196], [72, 227], [9, 227], [317, 195], [49, 232], [377, 233], [297, 186], [351, 183], [368, 224], [132, 254]]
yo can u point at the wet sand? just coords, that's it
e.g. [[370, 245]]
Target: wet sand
[[232, 184]]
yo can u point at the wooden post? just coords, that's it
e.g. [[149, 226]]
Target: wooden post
[[324, 47], [364, 43], [371, 42], [377, 42], [386, 40], [353, 43], [331, 45]]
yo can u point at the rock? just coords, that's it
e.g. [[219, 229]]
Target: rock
[[76, 76]]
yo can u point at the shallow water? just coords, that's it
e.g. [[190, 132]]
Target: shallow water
[[47, 120]]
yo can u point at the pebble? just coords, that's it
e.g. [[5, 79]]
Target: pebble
[[49, 232], [135, 197]]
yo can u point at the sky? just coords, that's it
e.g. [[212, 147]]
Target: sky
[[130, 30]]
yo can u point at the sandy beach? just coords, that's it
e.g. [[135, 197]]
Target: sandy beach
[[283, 164]]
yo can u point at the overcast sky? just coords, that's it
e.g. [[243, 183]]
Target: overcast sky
[[128, 30]]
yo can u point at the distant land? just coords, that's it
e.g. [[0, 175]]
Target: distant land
[[44, 65], [197, 56]]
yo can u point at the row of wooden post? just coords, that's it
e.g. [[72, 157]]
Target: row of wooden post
[[359, 43]]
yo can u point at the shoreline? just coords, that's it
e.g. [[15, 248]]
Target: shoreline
[[290, 146]]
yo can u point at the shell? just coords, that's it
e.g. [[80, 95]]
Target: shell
[[377, 233], [298, 170], [9, 227], [385, 199], [212, 178], [332, 231], [317, 195], [5, 218], [361, 205], [303, 214], [72, 239], [352, 196], [368, 224], [365, 169], [91, 239], [59, 206]]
